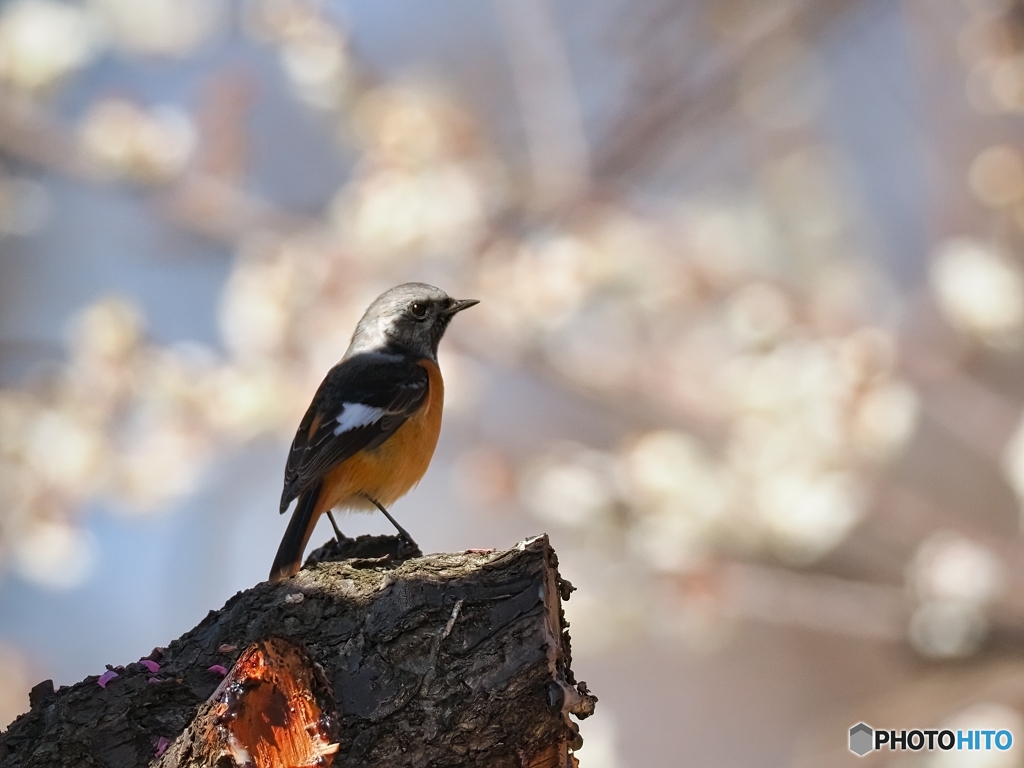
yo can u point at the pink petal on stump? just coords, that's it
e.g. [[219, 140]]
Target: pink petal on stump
[[161, 745], [106, 677], [152, 666], [217, 669]]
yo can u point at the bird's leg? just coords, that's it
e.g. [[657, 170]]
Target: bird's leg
[[401, 531], [338, 535]]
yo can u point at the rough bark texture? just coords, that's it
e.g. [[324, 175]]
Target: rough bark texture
[[447, 660]]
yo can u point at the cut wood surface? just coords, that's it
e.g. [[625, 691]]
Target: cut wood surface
[[446, 660]]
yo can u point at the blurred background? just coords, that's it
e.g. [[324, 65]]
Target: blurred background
[[750, 344]]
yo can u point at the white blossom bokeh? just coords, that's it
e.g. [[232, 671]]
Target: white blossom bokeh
[[748, 343]]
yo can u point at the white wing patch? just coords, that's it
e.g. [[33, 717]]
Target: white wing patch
[[355, 415]]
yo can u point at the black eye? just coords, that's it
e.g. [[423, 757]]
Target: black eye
[[418, 309]]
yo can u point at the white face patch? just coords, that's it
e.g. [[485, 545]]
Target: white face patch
[[355, 415]]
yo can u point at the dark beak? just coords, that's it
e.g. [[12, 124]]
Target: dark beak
[[458, 305]]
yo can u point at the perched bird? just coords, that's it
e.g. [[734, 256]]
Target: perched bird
[[370, 432]]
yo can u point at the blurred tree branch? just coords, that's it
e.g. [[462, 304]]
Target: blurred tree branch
[[206, 203], [684, 68]]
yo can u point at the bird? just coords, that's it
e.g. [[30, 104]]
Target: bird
[[370, 431]]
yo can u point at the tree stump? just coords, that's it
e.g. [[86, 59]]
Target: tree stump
[[362, 659]]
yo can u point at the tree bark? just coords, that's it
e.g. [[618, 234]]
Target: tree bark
[[451, 660]]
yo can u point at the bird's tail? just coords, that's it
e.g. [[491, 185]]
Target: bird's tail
[[296, 536]]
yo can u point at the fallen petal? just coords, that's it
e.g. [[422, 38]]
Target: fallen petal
[[161, 745], [152, 666], [154, 680], [217, 669], [106, 677]]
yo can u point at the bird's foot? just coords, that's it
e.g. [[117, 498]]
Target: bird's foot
[[407, 548], [338, 535]]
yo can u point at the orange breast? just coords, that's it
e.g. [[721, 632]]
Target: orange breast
[[390, 470]]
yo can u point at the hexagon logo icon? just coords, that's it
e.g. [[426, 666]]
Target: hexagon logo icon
[[861, 738]]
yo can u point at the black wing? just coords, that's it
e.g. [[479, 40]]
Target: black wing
[[362, 401]]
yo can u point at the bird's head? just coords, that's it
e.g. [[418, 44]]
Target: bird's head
[[411, 317]]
